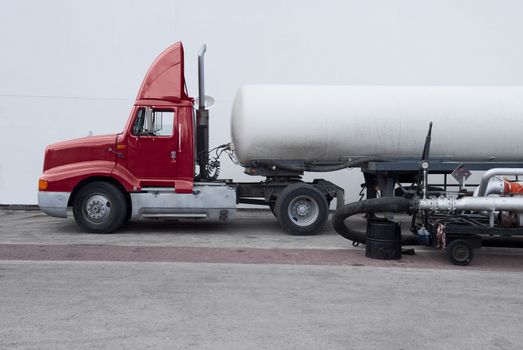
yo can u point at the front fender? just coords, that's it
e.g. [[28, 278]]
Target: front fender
[[126, 178], [65, 178]]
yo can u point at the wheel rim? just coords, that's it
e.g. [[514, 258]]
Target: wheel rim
[[303, 210], [461, 253], [97, 208]]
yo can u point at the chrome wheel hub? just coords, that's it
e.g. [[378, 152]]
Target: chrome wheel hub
[[303, 210], [97, 207]]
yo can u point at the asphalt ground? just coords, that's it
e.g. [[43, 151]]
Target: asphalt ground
[[243, 285]]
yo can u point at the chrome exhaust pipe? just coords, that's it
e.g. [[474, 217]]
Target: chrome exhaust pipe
[[202, 121], [201, 80]]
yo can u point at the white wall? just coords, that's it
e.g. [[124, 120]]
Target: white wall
[[70, 67]]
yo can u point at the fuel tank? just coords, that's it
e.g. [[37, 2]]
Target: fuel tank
[[330, 123]]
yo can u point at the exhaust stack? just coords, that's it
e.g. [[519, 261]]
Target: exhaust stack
[[202, 120], [201, 80]]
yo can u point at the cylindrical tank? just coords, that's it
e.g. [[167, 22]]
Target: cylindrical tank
[[383, 239], [329, 123]]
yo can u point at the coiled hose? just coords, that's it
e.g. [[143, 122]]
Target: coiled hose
[[374, 205]]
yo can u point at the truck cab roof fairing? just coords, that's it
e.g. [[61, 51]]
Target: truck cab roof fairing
[[165, 78]]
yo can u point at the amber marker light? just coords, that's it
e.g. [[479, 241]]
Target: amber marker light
[[42, 185]]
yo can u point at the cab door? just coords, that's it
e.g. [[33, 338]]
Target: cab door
[[152, 146]]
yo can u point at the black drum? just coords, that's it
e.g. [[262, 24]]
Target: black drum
[[383, 239]]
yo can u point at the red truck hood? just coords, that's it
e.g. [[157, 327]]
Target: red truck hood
[[80, 150]]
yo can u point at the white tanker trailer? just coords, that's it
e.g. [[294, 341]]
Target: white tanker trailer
[[378, 128], [330, 124], [381, 129]]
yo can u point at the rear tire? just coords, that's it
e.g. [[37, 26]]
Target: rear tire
[[99, 207], [301, 209]]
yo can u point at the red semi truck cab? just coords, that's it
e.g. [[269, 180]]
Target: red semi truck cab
[[155, 148], [148, 170], [154, 155]]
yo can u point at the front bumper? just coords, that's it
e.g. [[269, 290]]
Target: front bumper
[[54, 203]]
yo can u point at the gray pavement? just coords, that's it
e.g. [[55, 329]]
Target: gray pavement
[[99, 304], [251, 229]]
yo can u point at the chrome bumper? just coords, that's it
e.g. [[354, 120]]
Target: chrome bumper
[[54, 203]]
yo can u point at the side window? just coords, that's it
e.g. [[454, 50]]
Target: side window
[[138, 123], [151, 122], [163, 122]]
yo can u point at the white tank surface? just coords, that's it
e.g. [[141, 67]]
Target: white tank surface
[[330, 123]]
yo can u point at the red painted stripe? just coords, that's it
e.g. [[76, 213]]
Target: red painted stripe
[[340, 257]]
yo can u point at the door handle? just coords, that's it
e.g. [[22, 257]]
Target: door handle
[[173, 155], [119, 155]]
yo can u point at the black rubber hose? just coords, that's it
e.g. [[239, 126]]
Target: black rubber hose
[[374, 205]]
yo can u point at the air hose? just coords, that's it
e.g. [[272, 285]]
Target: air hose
[[374, 205]]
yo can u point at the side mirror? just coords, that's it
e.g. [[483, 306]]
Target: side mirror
[[149, 120], [158, 122]]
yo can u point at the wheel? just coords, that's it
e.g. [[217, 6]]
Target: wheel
[[460, 252], [99, 207], [301, 209]]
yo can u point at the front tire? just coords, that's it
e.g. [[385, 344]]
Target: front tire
[[99, 207], [301, 209]]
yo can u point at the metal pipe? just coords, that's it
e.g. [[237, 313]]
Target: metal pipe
[[495, 186], [496, 172], [201, 80], [451, 205], [316, 166]]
